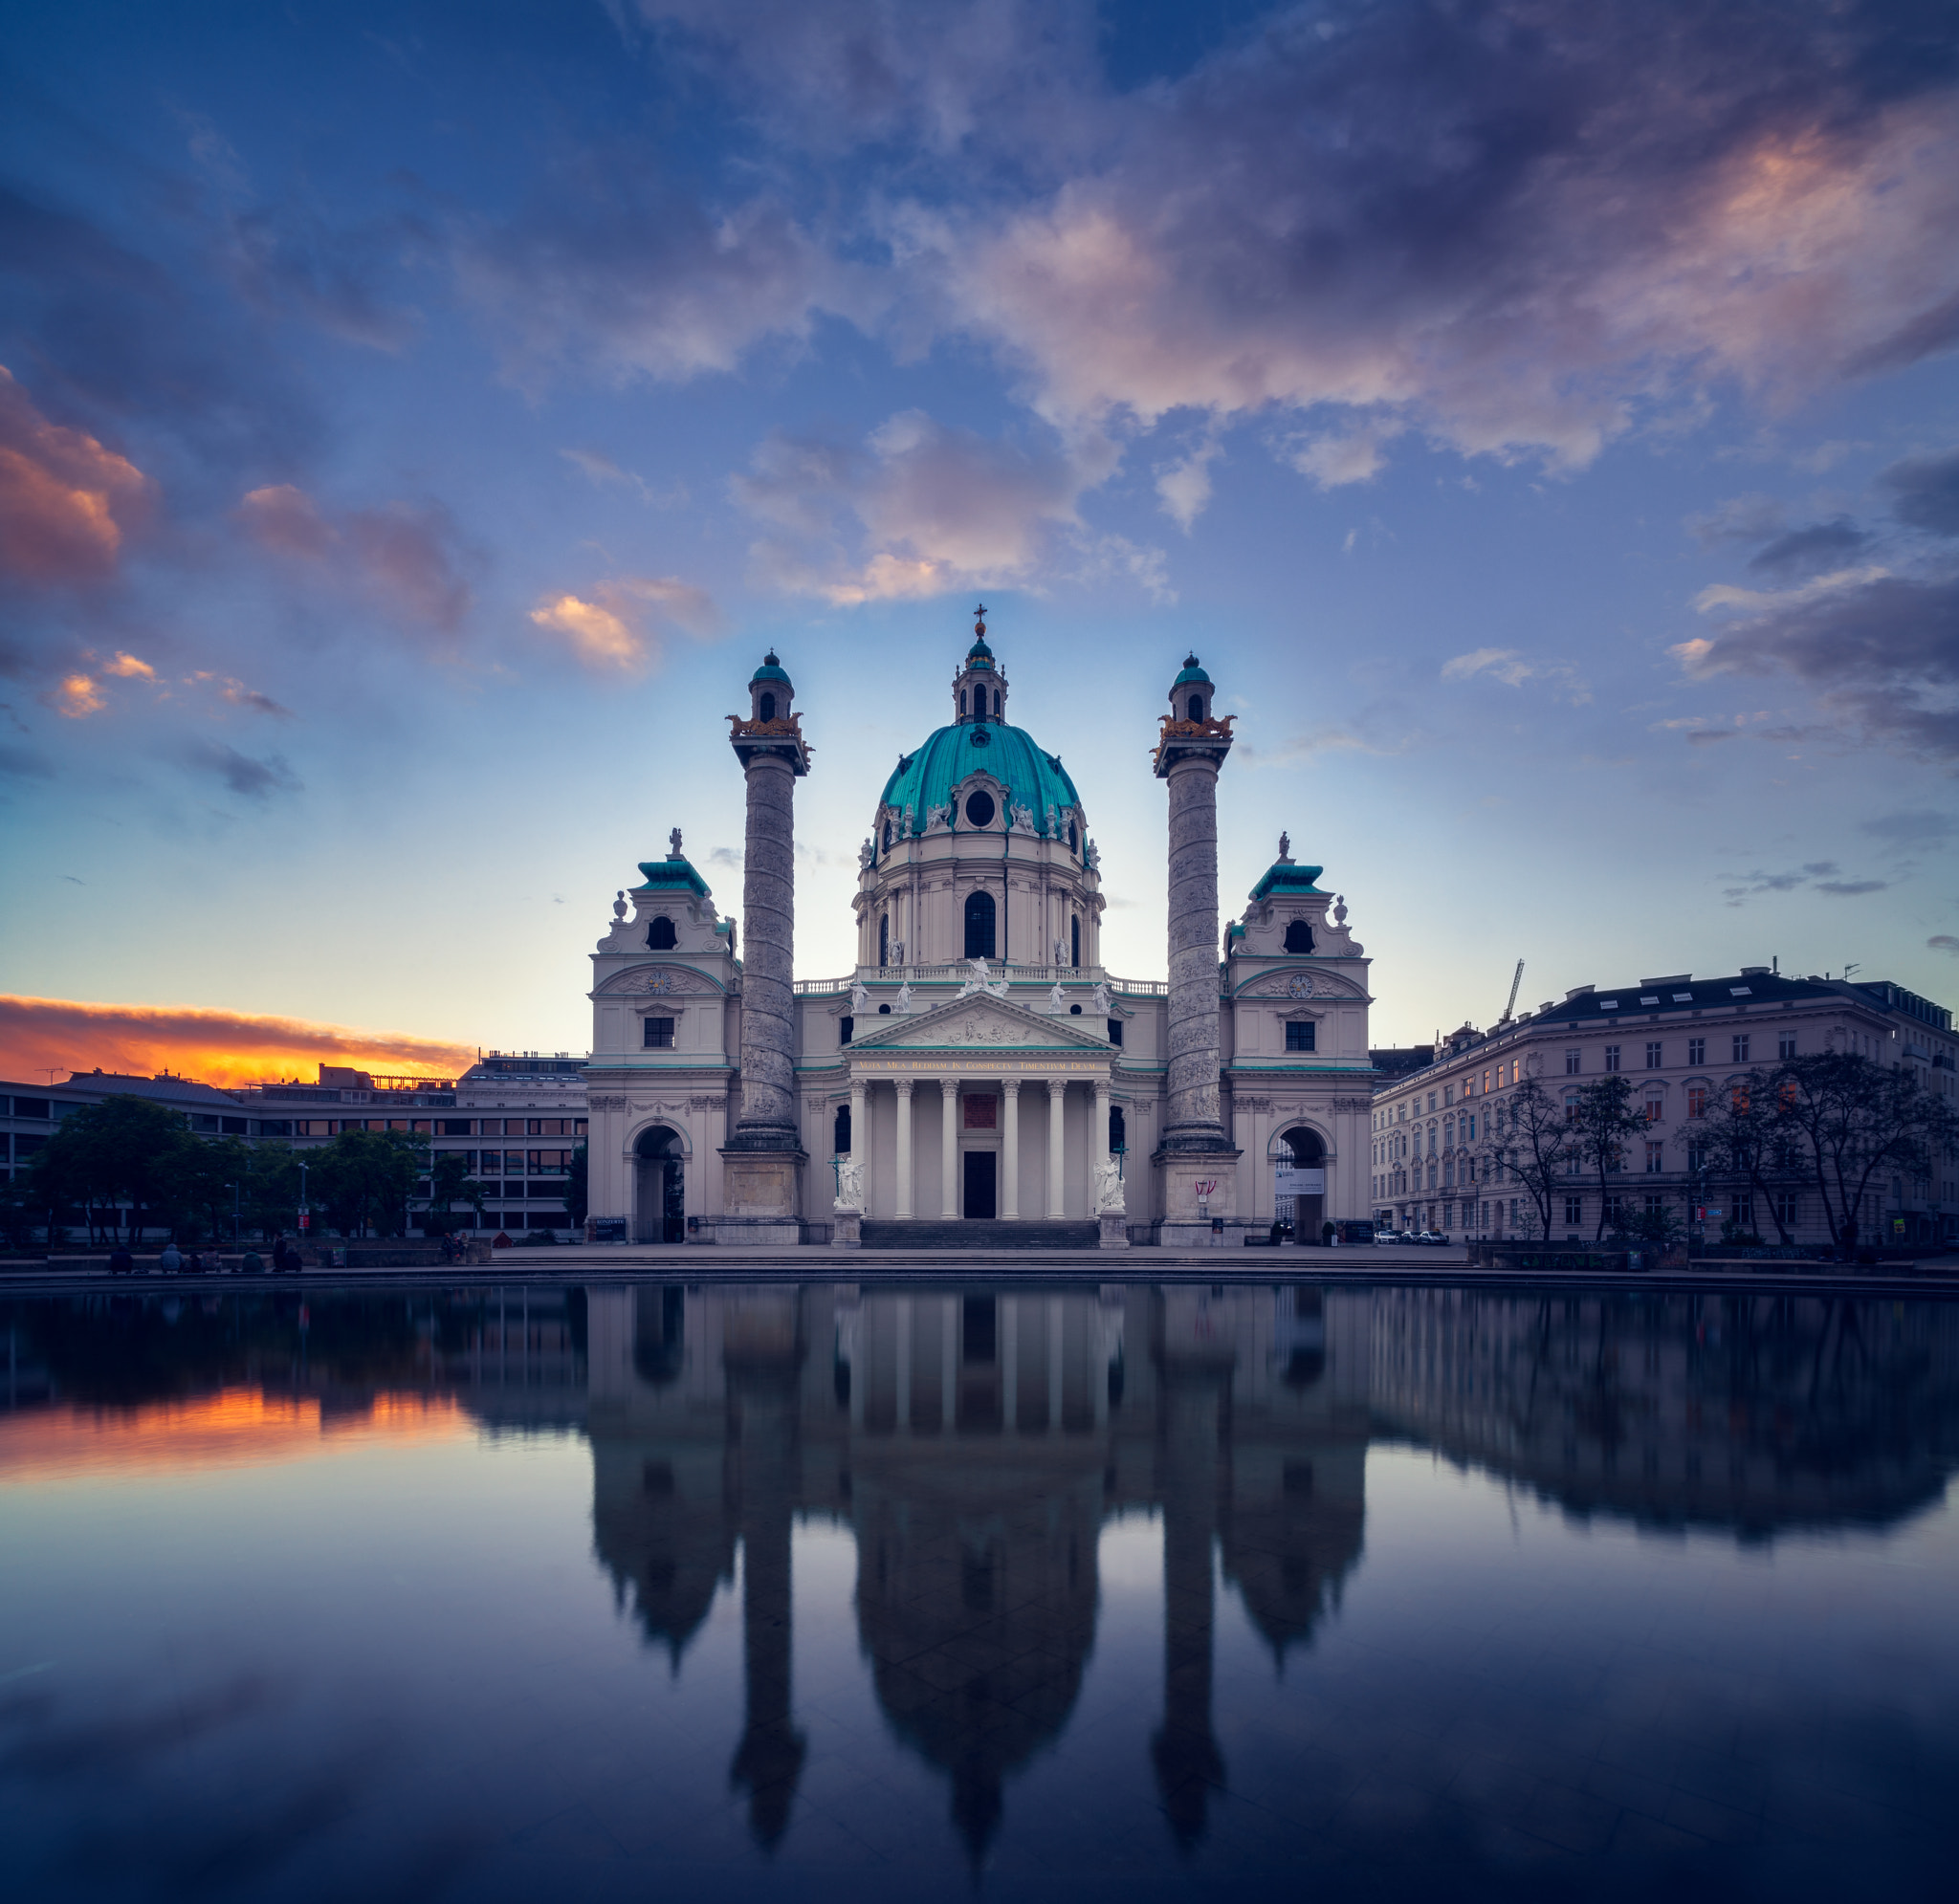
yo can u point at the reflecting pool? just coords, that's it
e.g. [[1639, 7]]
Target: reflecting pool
[[779, 1590]]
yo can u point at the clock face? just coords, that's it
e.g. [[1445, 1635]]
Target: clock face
[[1299, 986]]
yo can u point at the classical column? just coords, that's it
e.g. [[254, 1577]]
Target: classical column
[[763, 1158], [1057, 1089], [860, 1134], [1195, 1147], [903, 1087], [1098, 1138], [948, 1147], [1010, 1151]]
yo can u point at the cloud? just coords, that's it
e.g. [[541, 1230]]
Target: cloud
[[1520, 229], [66, 503], [251, 779], [1851, 889], [1743, 518], [621, 627], [220, 1047], [917, 508], [407, 556], [607, 268], [128, 668], [1338, 458], [600, 470], [1183, 488], [1881, 651], [1926, 492], [1943, 942], [75, 697], [1510, 666], [1817, 876], [1823, 545]]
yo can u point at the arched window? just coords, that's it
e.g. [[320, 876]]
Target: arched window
[[1071, 836], [1197, 707], [884, 939], [768, 707], [1074, 941], [963, 704], [996, 704], [841, 1142], [660, 934], [979, 925], [1299, 936], [1118, 1131], [887, 836]]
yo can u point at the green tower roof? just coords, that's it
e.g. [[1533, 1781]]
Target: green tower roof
[[672, 875], [1284, 877], [1191, 672], [771, 669]]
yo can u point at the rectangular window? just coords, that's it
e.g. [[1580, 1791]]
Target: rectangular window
[[1299, 1036], [1448, 1094], [846, 1026], [1574, 1210], [1571, 1061], [1697, 1051], [577, 1127], [1612, 1058], [982, 1112], [1656, 1159], [1697, 1101], [659, 1034], [1785, 1046], [1114, 1031], [456, 1127], [1787, 1207], [1697, 1157], [1615, 1212], [1741, 1048], [1485, 1083], [1656, 1205], [1653, 1051], [1469, 1128]]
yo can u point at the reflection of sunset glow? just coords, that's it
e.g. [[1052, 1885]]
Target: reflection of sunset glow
[[234, 1428], [217, 1047]]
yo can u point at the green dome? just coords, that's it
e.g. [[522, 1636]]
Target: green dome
[[771, 669], [979, 655], [1033, 779], [1190, 673]]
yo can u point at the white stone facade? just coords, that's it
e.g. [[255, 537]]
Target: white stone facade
[[980, 1065]]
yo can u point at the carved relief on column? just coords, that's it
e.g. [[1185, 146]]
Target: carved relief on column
[[903, 1087], [1057, 1099], [1010, 1151]]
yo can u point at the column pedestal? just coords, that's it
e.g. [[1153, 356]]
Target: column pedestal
[[1189, 1210], [760, 1198]]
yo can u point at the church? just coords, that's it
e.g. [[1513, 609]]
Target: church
[[979, 1077]]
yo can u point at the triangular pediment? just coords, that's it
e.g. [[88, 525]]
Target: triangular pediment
[[981, 1020]]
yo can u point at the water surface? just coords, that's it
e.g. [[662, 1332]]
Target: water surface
[[771, 1591]]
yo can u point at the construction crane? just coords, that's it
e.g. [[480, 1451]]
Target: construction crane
[[1516, 980]]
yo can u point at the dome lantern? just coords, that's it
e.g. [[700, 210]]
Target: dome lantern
[[979, 687]]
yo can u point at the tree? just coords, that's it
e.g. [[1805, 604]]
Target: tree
[[450, 1183], [1529, 1140], [577, 1186], [271, 1189], [1652, 1227], [1749, 1147], [212, 1181], [365, 1177], [1596, 1137], [1854, 1118], [124, 1150]]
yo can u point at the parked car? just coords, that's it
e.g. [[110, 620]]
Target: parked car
[[1432, 1238]]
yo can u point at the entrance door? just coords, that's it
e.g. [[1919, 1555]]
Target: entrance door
[[979, 1169]]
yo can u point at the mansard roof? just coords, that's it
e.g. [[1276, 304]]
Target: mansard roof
[[1285, 879]]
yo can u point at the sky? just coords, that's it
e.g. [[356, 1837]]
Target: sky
[[417, 422]]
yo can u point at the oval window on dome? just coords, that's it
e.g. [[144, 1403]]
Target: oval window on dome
[[980, 809]]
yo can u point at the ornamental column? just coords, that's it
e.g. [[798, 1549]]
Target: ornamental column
[[1010, 1151], [762, 1164], [1057, 1089], [948, 1147], [1196, 1156], [903, 1087]]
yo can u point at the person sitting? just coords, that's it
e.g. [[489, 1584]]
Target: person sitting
[[170, 1262]]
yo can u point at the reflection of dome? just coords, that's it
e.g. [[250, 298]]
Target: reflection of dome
[[662, 1526], [1033, 779], [976, 1601]]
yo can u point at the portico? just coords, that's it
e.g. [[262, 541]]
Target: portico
[[978, 1111]]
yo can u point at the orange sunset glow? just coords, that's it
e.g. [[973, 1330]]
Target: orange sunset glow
[[234, 1428], [38, 1036]]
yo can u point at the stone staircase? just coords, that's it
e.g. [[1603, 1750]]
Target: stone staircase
[[886, 1235]]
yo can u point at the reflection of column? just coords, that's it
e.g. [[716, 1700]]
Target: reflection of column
[[948, 1365], [860, 1135], [902, 1321], [903, 1087], [1007, 1343], [1010, 1151], [1184, 1750], [948, 1146], [769, 1760], [1054, 1365], [1056, 1098]]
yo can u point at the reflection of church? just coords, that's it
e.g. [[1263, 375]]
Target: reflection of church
[[976, 1444], [979, 1065]]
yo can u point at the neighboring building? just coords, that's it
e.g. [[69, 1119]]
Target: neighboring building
[[531, 1105], [937, 1088], [1681, 1041]]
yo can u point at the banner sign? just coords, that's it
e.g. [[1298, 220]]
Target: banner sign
[[1205, 1186], [1289, 1180]]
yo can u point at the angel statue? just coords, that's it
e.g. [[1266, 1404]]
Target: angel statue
[[1108, 1186], [860, 995], [673, 844], [1057, 999], [849, 1184]]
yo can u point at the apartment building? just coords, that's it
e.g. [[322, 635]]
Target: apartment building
[[1680, 1039]]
